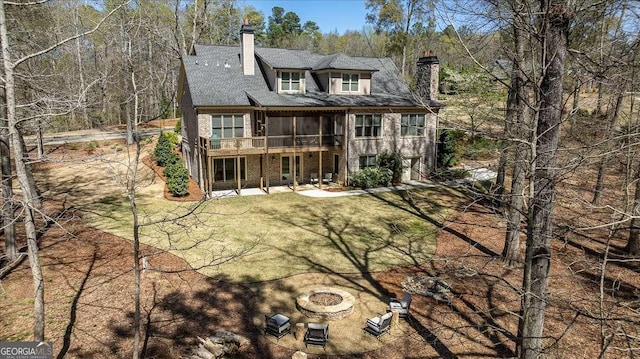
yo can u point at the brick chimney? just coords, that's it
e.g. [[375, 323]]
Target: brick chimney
[[247, 51], [427, 71]]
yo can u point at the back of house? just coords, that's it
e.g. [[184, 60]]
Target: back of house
[[259, 117]]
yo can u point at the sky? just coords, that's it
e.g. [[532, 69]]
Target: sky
[[330, 15]]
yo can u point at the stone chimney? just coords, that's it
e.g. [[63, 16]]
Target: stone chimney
[[247, 51], [427, 72]]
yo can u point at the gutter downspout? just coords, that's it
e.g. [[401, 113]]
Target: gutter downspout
[[320, 154], [266, 144]]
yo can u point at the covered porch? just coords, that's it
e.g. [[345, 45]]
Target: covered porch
[[285, 148]]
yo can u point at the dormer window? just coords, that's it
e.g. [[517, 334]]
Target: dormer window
[[350, 83], [290, 81]]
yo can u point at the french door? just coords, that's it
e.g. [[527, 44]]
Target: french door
[[286, 167]]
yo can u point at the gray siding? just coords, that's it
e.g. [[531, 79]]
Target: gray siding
[[189, 133]]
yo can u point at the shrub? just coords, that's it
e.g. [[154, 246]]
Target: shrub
[[447, 149], [172, 161], [163, 151], [178, 127], [393, 162], [371, 177], [90, 146], [173, 138], [177, 179]]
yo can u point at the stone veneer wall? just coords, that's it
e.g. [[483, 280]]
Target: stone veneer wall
[[391, 140]]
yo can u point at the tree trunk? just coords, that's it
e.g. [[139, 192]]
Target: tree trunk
[[538, 255], [134, 210], [82, 93], [501, 173], [633, 245], [611, 126], [136, 259], [35, 199], [511, 251], [600, 96], [8, 225], [22, 173], [518, 120], [576, 95]]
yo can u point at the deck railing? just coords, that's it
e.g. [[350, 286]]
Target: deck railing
[[288, 141]]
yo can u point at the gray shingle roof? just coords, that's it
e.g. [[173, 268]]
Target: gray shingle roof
[[215, 78], [341, 61], [284, 59]]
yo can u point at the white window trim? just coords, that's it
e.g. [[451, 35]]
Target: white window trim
[[350, 82], [300, 81]]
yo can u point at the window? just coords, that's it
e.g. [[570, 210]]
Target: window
[[350, 83], [227, 126], [290, 81], [412, 125], [367, 161], [224, 169], [368, 125]]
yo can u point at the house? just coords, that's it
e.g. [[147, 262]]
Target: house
[[259, 117]]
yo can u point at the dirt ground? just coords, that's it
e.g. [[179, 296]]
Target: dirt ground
[[89, 293]]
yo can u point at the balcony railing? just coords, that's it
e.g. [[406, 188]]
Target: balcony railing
[[300, 141]]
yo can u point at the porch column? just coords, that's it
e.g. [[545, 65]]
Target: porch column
[[346, 141], [320, 154], [205, 165], [210, 175], [238, 171], [295, 183]]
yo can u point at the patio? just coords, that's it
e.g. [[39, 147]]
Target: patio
[[346, 335]]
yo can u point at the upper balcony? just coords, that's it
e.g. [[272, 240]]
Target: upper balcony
[[269, 144]]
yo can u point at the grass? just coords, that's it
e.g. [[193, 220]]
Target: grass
[[280, 235]]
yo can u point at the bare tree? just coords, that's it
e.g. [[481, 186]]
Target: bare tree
[[8, 222], [31, 202], [517, 124], [633, 244], [555, 18]]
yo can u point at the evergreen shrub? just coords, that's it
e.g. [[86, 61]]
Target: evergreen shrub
[[371, 177], [393, 162]]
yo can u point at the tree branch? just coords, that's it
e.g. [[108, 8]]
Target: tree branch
[[38, 2], [71, 38]]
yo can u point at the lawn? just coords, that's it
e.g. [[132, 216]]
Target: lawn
[[257, 238]]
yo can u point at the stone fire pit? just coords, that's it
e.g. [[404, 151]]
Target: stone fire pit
[[326, 303]]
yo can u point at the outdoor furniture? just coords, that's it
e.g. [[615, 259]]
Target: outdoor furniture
[[379, 325], [286, 180], [401, 306], [313, 178], [328, 178], [277, 325], [317, 334]]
